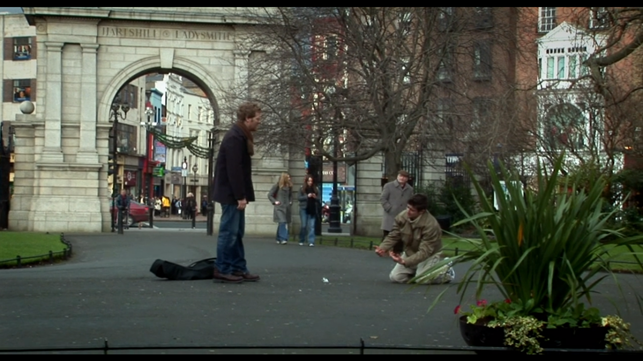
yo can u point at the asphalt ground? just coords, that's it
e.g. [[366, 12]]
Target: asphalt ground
[[314, 298]]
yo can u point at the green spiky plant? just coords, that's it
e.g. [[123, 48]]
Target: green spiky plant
[[538, 249]]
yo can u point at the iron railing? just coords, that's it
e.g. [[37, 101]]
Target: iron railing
[[48, 257]]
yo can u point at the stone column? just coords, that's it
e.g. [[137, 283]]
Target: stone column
[[87, 143], [241, 70], [52, 151]]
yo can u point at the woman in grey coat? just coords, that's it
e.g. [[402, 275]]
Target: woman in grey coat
[[280, 195]]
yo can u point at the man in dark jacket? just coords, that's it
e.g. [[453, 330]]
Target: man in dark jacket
[[232, 187]]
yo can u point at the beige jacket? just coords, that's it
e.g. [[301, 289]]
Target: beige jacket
[[422, 238]]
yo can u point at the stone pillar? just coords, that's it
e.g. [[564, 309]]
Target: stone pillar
[[87, 143], [52, 152]]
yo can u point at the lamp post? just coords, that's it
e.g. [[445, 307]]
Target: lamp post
[[118, 110], [195, 169], [210, 220], [333, 219], [184, 173], [149, 185]]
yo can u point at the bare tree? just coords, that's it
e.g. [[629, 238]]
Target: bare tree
[[370, 79]]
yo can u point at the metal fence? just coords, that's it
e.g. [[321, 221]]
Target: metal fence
[[48, 257], [362, 349]]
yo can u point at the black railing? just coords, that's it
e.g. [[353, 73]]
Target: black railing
[[48, 257], [361, 348]]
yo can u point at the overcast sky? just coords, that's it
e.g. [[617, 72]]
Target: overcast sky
[[11, 10]]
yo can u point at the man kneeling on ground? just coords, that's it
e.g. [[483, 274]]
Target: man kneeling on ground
[[417, 235]]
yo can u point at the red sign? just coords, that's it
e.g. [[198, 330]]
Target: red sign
[[129, 178]]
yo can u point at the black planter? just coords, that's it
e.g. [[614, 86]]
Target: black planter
[[479, 335]]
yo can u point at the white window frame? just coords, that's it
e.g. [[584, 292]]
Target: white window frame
[[598, 18], [546, 19]]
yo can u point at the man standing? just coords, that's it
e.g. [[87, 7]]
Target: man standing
[[232, 187], [420, 236], [394, 197], [123, 205]]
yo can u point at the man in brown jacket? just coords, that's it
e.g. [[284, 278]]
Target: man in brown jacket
[[421, 238]]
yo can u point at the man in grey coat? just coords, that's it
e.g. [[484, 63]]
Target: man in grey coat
[[394, 198]]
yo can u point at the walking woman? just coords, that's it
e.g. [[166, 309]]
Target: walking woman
[[308, 209], [280, 195]]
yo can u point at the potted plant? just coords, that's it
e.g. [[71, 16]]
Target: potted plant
[[540, 251]]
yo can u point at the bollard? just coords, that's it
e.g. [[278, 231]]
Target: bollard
[[336, 241], [51, 257], [210, 224], [120, 221], [18, 261], [456, 251], [351, 242], [370, 246]]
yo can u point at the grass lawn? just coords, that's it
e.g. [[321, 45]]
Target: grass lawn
[[619, 260], [32, 247]]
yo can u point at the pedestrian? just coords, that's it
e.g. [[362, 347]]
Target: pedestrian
[[420, 237], [309, 208], [280, 195], [190, 207], [233, 188], [123, 205], [394, 197]]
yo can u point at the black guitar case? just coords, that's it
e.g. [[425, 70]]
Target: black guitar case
[[199, 270]]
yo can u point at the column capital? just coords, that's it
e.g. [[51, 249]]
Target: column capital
[[54, 45], [89, 47]]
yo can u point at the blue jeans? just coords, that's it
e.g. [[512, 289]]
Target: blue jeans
[[282, 232], [307, 227], [230, 253]]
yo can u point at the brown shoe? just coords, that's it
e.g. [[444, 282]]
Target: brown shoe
[[223, 278], [247, 277]]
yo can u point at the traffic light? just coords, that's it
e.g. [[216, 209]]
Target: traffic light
[[110, 165]]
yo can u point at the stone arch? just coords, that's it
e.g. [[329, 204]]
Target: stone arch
[[181, 66]]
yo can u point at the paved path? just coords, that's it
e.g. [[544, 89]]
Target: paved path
[[105, 291]]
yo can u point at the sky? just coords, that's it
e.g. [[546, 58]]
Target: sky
[[11, 10]]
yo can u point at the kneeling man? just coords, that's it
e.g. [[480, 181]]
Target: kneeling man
[[415, 244]]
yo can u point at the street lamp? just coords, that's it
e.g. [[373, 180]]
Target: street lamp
[[195, 181], [184, 173], [149, 185], [210, 218], [333, 219], [118, 110]]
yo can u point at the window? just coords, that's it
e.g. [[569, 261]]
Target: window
[[599, 18], [481, 113], [483, 17], [406, 72], [127, 139], [404, 22], [189, 115], [445, 18], [564, 127], [21, 90], [482, 60], [129, 95], [200, 116], [444, 115], [22, 48], [564, 63], [546, 19], [446, 67], [331, 47]]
